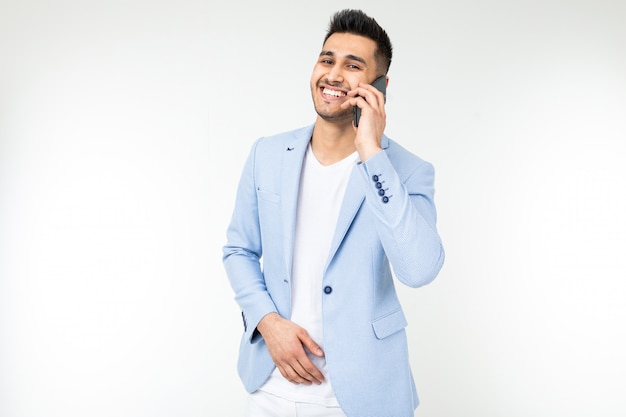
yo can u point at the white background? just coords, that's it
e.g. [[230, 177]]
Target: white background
[[123, 129]]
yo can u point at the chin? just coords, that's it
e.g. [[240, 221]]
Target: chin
[[335, 116]]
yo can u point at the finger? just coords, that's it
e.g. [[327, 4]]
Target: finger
[[354, 101], [291, 375], [313, 347], [310, 372], [303, 373], [372, 94]]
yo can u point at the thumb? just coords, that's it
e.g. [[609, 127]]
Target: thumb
[[313, 347]]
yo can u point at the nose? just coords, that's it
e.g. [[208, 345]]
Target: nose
[[335, 75]]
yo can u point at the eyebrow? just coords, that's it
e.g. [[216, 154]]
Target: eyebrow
[[349, 56]]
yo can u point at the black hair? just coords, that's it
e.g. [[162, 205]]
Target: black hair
[[358, 23]]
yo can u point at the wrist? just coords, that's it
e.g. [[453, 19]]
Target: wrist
[[267, 321], [367, 153]]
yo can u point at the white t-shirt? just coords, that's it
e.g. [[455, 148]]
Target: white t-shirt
[[321, 193]]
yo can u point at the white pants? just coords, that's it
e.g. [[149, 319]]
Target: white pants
[[263, 404]]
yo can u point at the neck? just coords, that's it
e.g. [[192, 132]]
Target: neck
[[332, 142]]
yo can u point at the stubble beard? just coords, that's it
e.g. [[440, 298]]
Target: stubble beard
[[332, 116], [335, 116]]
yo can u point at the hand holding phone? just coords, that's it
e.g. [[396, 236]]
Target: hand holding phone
[[380, 84]]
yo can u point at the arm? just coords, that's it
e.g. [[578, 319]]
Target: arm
[[406, 209], [242, 254], [406, 218]]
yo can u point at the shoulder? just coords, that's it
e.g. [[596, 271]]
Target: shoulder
[[286, 138]]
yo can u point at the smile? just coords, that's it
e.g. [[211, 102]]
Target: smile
[[334, 93]]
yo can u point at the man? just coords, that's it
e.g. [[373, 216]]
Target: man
[[321, 217]]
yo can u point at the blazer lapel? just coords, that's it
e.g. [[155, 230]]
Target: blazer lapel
[[291, 171], [293, 159], [352, 201]]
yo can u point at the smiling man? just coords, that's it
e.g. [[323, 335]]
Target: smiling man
[[323, 214]]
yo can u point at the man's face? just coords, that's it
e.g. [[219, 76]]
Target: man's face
[[345, 61]]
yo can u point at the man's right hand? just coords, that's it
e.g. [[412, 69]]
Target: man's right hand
[[286, 342]]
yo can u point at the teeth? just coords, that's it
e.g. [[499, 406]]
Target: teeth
[[334, 93]]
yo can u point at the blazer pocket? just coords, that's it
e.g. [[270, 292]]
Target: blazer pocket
[[267, 196], [389, 324]]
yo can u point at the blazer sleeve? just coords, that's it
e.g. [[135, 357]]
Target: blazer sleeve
[[406, 216], [243, 250]]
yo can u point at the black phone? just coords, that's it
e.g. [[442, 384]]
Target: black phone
[[380, 84]]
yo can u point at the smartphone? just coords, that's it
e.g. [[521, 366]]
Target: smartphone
[[380, 84]]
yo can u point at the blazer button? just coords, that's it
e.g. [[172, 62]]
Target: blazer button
[[328, 289], [375, 178]]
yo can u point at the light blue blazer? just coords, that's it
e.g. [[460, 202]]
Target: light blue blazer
[[386, 223]]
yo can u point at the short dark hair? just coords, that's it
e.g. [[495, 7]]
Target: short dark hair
[[358, 23]]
